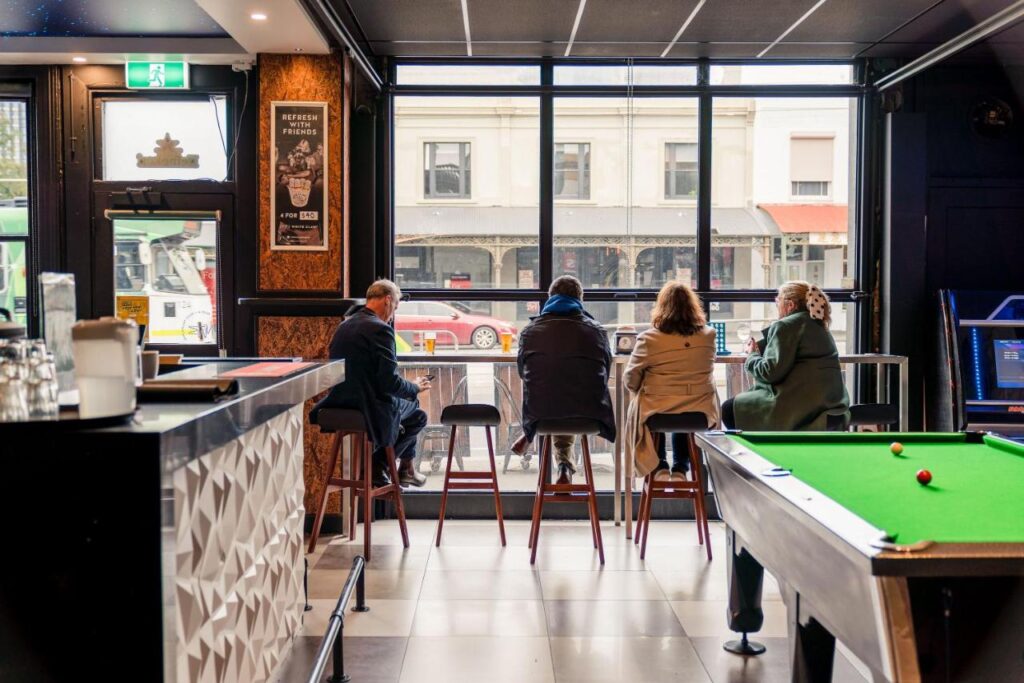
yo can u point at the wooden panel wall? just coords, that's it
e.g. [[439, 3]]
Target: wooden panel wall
[[307, 78]]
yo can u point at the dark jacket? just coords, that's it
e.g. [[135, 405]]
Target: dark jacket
[[372, 383], [564, 359], [796, 378]]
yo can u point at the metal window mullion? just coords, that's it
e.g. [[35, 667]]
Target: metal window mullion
[[704, 117], [547, 177]]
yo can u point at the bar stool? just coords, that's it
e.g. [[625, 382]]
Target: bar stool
[[342, 422], [471, 415], [663, 425], [565, 493]]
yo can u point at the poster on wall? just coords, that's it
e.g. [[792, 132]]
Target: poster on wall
[[298, 199]]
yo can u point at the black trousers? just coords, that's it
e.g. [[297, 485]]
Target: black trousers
[[680, 451], [413, 421], [728, 415]]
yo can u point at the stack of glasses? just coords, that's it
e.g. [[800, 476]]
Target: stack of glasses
[[28, 381]]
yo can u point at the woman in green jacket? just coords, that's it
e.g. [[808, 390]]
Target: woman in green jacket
[[797, 381]]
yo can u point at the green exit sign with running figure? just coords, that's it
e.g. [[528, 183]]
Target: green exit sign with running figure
[[156, 75]]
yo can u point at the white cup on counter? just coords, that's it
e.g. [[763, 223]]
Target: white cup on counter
[[106, 366]]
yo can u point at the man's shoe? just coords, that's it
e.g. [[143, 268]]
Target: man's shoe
[[520, 445], [679, 474], [564, 473], [408, 476], [380, 476], [661, 472]]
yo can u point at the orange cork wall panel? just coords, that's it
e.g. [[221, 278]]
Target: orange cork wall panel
[[306, 78], [308, 338]]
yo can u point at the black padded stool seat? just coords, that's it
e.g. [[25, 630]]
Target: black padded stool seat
[[679, 423], [565, 493], [471, 415], [340, 420], [691, 489], [577, 426], [874, 414]]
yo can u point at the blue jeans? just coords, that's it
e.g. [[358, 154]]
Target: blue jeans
[[413, 421], [680, 451]]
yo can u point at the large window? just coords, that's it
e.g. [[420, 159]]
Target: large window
[[14, 210], [572, 170], [627, 176]]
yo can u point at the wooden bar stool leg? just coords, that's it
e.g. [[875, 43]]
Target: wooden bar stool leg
[[592, 498], [639, 521], [367, 465], [321, 505], [396, 491], [355, 467], [645, 514], [538, 509], [494, 481], [540, 490], [444, 490]]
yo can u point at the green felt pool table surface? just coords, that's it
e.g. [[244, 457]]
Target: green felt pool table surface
[[976, 494]]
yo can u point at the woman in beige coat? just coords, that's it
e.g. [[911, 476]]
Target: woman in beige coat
[[671, 371]]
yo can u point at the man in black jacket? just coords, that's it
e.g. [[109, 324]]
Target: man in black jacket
[[564, 360], [366, 341]]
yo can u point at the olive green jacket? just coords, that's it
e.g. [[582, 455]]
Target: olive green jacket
[[797, 380]]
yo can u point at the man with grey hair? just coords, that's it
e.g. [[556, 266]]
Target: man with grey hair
[[366, 341], [564, 360]]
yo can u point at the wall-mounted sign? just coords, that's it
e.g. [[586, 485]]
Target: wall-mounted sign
[[298, 198], [156, 75], [167, 154]]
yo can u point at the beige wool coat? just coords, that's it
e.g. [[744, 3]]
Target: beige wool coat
[[667, 373]]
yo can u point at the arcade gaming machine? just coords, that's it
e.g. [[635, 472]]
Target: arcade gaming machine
[[979, 371]]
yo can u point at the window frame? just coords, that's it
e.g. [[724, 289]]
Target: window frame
[[27, 240], [705, 93]]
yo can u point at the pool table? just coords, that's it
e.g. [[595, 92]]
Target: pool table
[[921, 582]]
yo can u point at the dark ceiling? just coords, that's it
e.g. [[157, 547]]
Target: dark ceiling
[[100, 18], [723, 29]]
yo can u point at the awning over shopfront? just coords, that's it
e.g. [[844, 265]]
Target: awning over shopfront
[[578, 221], [808, 218]]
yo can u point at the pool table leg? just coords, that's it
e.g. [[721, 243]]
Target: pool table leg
[[813, 649], [746, 579]]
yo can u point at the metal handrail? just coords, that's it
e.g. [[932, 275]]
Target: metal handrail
[[333, 639], [455, 337]]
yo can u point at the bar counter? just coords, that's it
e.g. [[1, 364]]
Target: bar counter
[[168, 548]]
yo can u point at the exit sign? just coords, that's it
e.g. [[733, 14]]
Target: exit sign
[[156, 75]]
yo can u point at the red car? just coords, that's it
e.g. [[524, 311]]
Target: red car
[[450, 323]]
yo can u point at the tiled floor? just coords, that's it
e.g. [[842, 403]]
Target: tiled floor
[[473, 611]]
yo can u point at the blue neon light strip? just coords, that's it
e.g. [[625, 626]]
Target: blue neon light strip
[[979, 385]]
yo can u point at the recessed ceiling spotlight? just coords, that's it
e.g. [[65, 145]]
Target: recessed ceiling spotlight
[[78, 60], [298, 49], [258, 16]]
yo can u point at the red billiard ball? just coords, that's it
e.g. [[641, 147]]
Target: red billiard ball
[[896, 448], [924, 477]]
